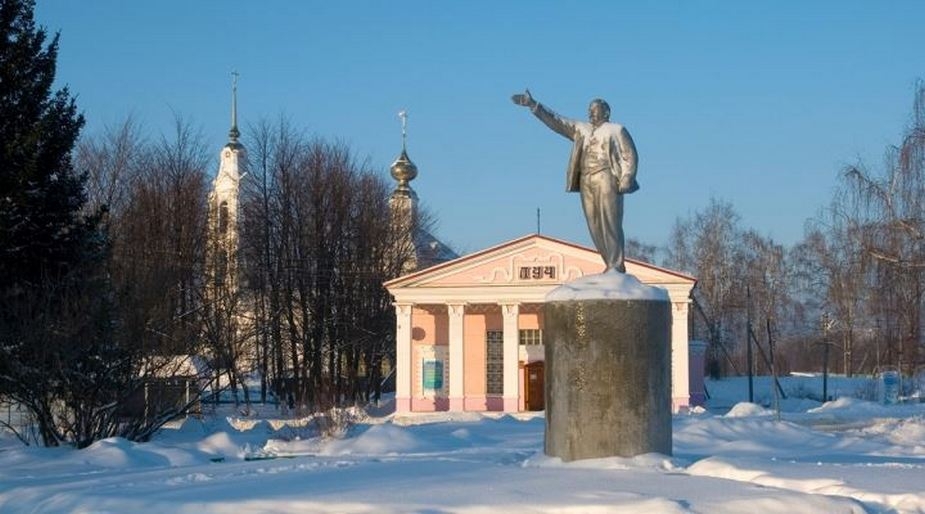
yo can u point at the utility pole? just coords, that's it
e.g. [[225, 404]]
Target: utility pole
[[827, 324], [773, 368], [749, 365], [877, 340]]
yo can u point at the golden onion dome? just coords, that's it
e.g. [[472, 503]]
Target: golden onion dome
[[403, 170]]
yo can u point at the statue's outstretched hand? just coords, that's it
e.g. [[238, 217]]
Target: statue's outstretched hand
[[524, 99]]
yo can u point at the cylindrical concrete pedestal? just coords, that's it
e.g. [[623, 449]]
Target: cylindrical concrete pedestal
[[608, 378]]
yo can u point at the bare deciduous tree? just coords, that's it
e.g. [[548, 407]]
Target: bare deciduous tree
[[704, 245], [889, 226], [318, 242]]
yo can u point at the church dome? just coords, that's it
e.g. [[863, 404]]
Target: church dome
[[403, 170]]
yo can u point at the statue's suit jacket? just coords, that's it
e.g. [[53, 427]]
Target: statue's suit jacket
[[620, 147]]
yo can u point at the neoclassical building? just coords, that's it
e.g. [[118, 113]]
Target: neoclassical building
[[469, 332]]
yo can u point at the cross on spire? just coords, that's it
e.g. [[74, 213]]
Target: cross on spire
[[404, 128], [233, 134]]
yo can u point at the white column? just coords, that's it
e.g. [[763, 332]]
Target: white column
[[680, 360], [403, 364], [509, 312], [456, 313]]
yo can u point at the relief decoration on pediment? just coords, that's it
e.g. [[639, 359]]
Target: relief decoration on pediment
[[533, 269]]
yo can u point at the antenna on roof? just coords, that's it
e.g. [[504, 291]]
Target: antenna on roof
[[537, 220]]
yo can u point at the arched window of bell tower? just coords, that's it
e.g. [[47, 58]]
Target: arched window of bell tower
[[223, 218]]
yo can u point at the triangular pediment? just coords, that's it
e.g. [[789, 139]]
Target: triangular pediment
[[529, 261]]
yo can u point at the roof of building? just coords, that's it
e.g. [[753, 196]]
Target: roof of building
[[430, 251], [516, 244]]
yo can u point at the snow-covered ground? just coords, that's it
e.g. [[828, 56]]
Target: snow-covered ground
[[847, 455]]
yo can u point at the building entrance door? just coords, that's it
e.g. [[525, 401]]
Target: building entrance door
[[535, 385]]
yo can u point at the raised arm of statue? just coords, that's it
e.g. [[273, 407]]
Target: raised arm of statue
[[560, 125]]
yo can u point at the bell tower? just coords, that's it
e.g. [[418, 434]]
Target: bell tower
[[222, 263]]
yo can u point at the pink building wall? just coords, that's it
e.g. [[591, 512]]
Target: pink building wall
[[475, 326], [429, 328], [530, 320]]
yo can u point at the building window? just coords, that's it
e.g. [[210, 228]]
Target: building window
[[494, 362], [223, 218], [531, 336]]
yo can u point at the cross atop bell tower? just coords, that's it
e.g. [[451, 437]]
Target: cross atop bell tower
[[234, 134]]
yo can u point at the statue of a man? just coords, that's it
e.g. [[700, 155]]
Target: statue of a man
[[602, 168]]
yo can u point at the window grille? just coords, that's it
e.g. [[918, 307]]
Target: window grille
[[494, 362]]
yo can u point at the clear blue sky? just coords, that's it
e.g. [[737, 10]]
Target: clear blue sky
[[758, 103]]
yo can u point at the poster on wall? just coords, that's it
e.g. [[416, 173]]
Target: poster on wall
[[432, 371], [433, 376]]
